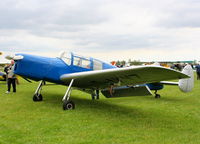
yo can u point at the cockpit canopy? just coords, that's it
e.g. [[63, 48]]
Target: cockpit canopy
[[80, 61]]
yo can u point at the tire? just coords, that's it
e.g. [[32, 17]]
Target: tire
[[93, 97], [157, 96], [37, 97], [68, 105]]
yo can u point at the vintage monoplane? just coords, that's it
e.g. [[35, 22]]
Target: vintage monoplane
[[92, 75]]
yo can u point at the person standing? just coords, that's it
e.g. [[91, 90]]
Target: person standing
[[198, 71], [11, 78]]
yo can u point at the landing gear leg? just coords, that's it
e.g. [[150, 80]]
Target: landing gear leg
[[38, 96], [156, 95], [67, 104], [111, 90], [95, 94]]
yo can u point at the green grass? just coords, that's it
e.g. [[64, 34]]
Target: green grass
[[173, 119]]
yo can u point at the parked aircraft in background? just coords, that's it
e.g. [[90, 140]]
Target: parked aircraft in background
[[91, 75], [2, 76]]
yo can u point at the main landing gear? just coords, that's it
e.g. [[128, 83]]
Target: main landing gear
[[156, 95], [95, 95], [37, 96], [67, 104]]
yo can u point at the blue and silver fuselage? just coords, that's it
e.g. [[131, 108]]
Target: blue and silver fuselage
[[50, 69]]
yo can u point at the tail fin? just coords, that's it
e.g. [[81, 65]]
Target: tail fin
[[186, 85]]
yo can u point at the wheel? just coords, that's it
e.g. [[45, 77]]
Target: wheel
[[97, 94], [93, 96], [157, 96], [37, 97], [68, 105]]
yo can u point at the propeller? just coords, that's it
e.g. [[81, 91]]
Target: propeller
[[14, 57]]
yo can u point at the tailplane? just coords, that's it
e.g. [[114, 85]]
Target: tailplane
[[186, 85]]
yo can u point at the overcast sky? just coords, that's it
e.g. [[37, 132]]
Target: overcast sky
[[105, 29]]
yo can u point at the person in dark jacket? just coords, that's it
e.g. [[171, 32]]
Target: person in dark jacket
[[198, 71], [11, 78]]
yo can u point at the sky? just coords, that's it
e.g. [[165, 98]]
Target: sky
[[145, 30]]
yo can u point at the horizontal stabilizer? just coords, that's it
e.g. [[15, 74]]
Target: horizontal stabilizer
[[127, 91], [187, 84], [168, 83]]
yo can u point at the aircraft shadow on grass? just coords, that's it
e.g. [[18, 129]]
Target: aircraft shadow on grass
[[91, 104], [104, 107], [93, 76], [131, 115]]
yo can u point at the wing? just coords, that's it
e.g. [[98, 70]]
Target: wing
[[124, 76]]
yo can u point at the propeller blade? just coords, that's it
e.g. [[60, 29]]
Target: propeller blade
[[9, 57], [14, 57]]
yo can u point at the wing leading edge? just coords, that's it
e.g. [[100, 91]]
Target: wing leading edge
[[123, 76]]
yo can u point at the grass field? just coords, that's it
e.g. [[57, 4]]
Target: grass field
[[173, 119]]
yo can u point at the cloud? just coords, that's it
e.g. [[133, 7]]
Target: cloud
[[44, 14], [106, 26], [180, 14]]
